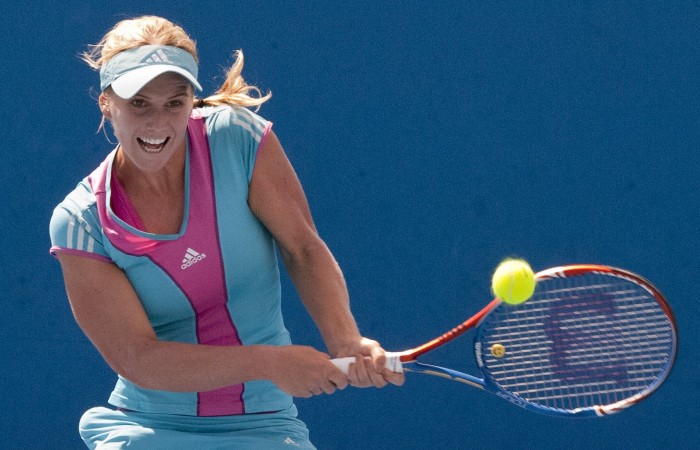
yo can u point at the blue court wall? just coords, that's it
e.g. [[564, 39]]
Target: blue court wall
[[433, 139]]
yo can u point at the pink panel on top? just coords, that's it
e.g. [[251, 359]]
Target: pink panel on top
[[189, 260]]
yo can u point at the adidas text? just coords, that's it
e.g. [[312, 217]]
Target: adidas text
[[191, 258]]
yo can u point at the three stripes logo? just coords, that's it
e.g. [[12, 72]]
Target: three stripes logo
[[191, 258], [158, 57]]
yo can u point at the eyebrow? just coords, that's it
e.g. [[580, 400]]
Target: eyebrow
[[182, 88]]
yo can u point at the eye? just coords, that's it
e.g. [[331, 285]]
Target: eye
[[138, 102], [174, 103]]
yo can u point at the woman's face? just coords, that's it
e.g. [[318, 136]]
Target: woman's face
[[152, 125]]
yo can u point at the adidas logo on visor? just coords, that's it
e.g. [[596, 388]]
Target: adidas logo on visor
[[158, 57], [191, 258]]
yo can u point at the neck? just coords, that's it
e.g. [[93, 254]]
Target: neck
[[167, 180]]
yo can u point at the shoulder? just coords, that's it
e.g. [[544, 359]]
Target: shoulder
[[235, 134], [75, 221], [79, 202], [234, 121]]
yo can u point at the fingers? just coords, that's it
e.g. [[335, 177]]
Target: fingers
[[338, 379], [395, 378], [363, 373], [304, 372], [312, 373], [320, 389], [372, 372], [328, 382]]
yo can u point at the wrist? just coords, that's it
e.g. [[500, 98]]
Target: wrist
[[348, 345], [260, 362]]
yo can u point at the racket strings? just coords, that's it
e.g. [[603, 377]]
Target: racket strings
[[579, 342]]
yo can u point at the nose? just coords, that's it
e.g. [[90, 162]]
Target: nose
[[156, 119]]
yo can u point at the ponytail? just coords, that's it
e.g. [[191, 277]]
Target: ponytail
[[235, 91]]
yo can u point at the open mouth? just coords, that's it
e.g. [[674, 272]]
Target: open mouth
[[152, 145]]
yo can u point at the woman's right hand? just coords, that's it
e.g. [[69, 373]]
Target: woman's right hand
[[304, 371]]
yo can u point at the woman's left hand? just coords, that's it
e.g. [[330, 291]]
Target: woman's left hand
[[369, 368]]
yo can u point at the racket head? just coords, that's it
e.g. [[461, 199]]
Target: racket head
[[592, 341]]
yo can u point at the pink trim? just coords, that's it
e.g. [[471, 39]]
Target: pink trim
[[55, 250]]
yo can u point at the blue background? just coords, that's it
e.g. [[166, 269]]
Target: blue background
[[433, 139]]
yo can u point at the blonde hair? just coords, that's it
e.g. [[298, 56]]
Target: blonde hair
[[153, 30]]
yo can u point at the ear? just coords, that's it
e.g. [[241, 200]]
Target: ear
[[103, 102]]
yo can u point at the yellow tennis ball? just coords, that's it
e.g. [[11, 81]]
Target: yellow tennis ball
[[513, 281]]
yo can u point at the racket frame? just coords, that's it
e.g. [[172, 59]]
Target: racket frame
[[409, 357]]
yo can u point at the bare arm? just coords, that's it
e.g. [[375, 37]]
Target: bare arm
[[277, 199], [110, 314]]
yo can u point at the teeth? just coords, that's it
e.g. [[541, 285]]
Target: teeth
[[152, 141]]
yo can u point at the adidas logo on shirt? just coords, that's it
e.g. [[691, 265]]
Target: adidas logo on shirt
[[191, 258]]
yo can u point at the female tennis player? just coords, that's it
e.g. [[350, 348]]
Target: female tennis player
[[168, 251]]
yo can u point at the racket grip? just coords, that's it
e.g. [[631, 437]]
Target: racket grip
[[393, 363]]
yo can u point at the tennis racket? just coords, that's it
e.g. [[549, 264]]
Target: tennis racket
[[592, 341]]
